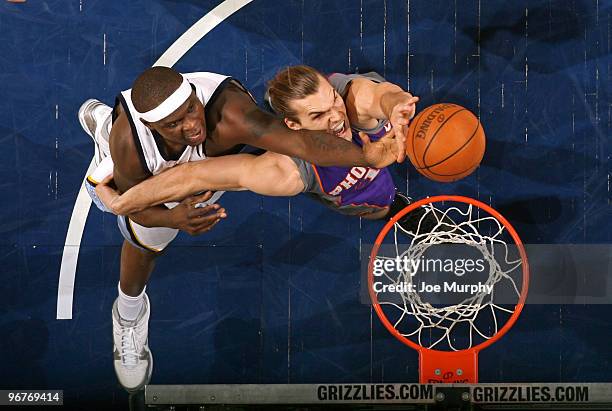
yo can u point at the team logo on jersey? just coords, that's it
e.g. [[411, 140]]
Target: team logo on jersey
[[357, 175]]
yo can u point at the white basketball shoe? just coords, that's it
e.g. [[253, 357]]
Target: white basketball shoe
[[95, 118], [132, 358]]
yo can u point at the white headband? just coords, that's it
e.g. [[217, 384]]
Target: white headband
[[169, 105]]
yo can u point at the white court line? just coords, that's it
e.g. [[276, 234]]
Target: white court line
[[201, 28], [82, 205], [70, 256]]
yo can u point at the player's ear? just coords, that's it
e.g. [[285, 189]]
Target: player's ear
[[293, 125]]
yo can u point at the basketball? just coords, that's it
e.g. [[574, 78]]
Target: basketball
[[445, 142]]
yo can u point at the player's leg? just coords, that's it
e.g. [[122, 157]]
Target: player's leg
[[133, 361], [269, 174], [136, 267], [132, 358]]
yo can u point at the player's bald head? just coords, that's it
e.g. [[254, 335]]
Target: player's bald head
[[154, 86]]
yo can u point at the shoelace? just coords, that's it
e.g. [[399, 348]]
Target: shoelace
[[129, 347]]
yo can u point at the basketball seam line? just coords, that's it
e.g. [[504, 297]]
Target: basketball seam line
[[436, 134], [458, 150], [412, 139], [454, 174]]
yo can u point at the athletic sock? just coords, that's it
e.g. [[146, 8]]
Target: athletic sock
[[129, 307]]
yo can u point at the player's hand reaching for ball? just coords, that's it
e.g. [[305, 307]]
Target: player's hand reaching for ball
[[381, 153], [401, 108]]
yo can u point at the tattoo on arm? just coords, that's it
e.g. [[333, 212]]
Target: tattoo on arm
[[323, 142], [261, 123]]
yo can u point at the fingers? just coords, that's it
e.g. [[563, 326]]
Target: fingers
[[394, 141], [407, 108], [206, 211], [401, 121], [204, 227], [400, 141], [409, 102], [398, 131], [201, 198], [201, 223], [108, 195]]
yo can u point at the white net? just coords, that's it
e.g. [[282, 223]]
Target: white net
[[473, 317]]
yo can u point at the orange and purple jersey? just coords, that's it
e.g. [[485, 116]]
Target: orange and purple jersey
[[350, 190]]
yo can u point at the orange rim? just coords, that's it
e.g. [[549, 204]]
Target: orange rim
[[466, 200]]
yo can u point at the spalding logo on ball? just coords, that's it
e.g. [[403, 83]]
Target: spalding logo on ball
[[445, 142]]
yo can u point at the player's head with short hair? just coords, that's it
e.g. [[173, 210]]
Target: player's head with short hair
[[167, 104], [153, 86], [306, 100]]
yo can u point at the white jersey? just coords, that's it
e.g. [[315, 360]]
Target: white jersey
[[206, 85]]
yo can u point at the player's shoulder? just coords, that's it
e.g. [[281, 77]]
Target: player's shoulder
[[233, 101], [123, 147], [343, 83], [121, 133], [214, 83]]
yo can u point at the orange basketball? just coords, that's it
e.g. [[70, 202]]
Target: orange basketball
[[445, 142]]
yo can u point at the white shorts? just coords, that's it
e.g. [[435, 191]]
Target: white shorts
[[153, 239]]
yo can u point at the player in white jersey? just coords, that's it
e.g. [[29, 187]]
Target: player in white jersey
[[167, 119]]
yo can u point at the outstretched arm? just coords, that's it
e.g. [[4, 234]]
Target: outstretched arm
[[242, 117], [367, 100], [269, 174]]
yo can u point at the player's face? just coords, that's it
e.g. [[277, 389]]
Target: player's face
[[323, 110], [186, 126]]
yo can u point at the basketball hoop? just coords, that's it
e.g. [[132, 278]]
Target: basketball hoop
[[438, 331]]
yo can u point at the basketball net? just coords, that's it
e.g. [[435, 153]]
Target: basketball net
[[448, 337]]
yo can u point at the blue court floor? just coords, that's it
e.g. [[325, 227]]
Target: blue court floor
[[271, 295]]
